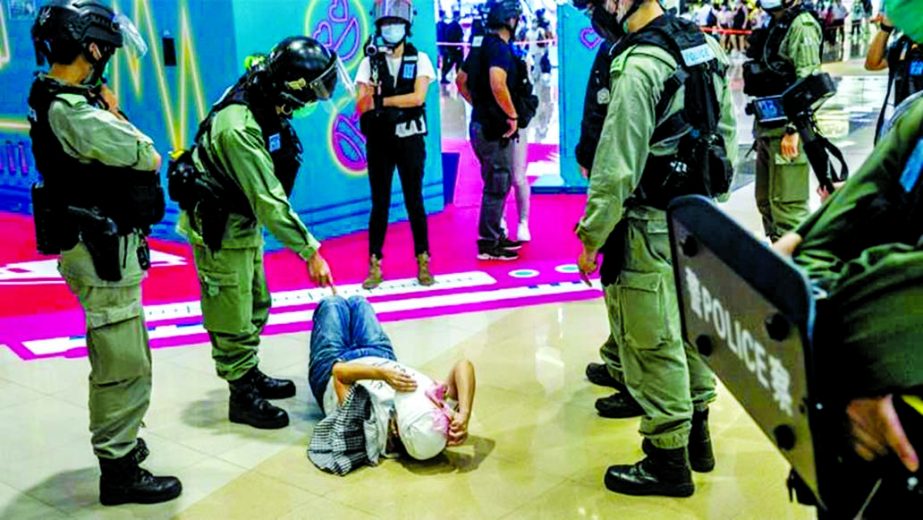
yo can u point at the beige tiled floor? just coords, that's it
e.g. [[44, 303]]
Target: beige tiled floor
[[537, 450]]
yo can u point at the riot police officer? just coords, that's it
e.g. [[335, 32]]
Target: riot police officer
[[248, 153], [904, 61], [488, 81], [596, 101], [670, 129], [392, 100], [100, 195], [784, 52], [862, 249]]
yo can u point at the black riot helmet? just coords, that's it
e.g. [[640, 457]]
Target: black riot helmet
[[605, 24], [500, 12], [64, 29], [300, 71]]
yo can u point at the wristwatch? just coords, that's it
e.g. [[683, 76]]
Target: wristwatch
[[790, 129]]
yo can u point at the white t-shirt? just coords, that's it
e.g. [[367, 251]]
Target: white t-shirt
[[424, 68], [381, 393]]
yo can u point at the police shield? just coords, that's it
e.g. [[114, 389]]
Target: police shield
[[750, 313]]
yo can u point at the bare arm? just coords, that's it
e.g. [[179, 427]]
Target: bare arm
[[501, 92], [346, 374], [366, 98], [461, 385], [461, 81], [787, 245], [412, 100], [876, 59]]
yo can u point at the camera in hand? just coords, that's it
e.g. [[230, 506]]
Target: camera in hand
[[797, 105]]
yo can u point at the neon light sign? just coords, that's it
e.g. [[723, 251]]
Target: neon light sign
[[342, 27]]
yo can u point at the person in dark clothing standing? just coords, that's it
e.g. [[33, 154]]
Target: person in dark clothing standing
[[392, 95], [453, 54], [488, 81]]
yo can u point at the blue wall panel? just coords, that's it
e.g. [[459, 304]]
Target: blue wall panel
[[212, 38], [579, 43]]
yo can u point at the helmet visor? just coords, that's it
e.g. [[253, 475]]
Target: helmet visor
[[132, 40], [400, 9], [331, 90]]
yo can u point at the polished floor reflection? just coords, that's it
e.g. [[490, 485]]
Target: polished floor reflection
[[538, 449]]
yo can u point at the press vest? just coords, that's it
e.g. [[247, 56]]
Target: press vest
[[401, 122], [131, 198]]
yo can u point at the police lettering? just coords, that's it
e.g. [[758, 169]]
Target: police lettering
[[769, 370]]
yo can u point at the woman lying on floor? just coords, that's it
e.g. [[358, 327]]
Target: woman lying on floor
[[374, 406]]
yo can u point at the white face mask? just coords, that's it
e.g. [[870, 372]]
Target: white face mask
[[393, 34], [770, 5]]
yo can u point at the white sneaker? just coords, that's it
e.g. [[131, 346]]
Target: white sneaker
[[522, 233]]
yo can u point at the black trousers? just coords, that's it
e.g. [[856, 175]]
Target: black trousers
[[453, 57], [408, 155]]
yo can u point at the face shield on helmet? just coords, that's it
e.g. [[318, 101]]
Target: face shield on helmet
[[332, 90], [397, 9], [132, 41]]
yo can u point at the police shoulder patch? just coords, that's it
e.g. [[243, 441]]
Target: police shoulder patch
[[602, 96], [275, 143], [697, 55]]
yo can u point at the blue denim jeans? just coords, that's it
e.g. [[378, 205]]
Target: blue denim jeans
[[344, 330]]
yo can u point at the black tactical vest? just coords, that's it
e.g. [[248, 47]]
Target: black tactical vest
[[699, 165], [279, 138], [768, 73], [131, 198], [595, 105]]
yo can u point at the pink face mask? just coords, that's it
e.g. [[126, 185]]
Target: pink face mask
[[442, 421]]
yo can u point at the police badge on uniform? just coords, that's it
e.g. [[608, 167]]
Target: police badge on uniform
[[275, 143], [602, 96]]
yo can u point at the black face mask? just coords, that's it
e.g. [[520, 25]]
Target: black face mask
[[606, 25]]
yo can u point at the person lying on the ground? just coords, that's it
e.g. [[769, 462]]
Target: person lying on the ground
[[375, 406]]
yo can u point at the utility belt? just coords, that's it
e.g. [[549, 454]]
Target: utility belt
[[60, 227], [207, 202], [701, 167]]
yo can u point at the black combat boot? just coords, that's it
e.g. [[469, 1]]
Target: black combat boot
[[620, 405], [270, 387], [662, 472], [598, 374], [248, 406], [701, 456], [123, 482]]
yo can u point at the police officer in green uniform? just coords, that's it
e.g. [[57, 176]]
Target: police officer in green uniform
[[862, 249], [248, 151], [786, 51], [643, 160], [100, 194], [620, 404]]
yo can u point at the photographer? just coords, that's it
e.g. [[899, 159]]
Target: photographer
[[392, 100], [787, 50]]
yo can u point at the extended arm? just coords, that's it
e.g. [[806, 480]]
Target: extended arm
[[461, 385]]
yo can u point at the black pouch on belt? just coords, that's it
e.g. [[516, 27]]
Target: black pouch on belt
[[613, 252]]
